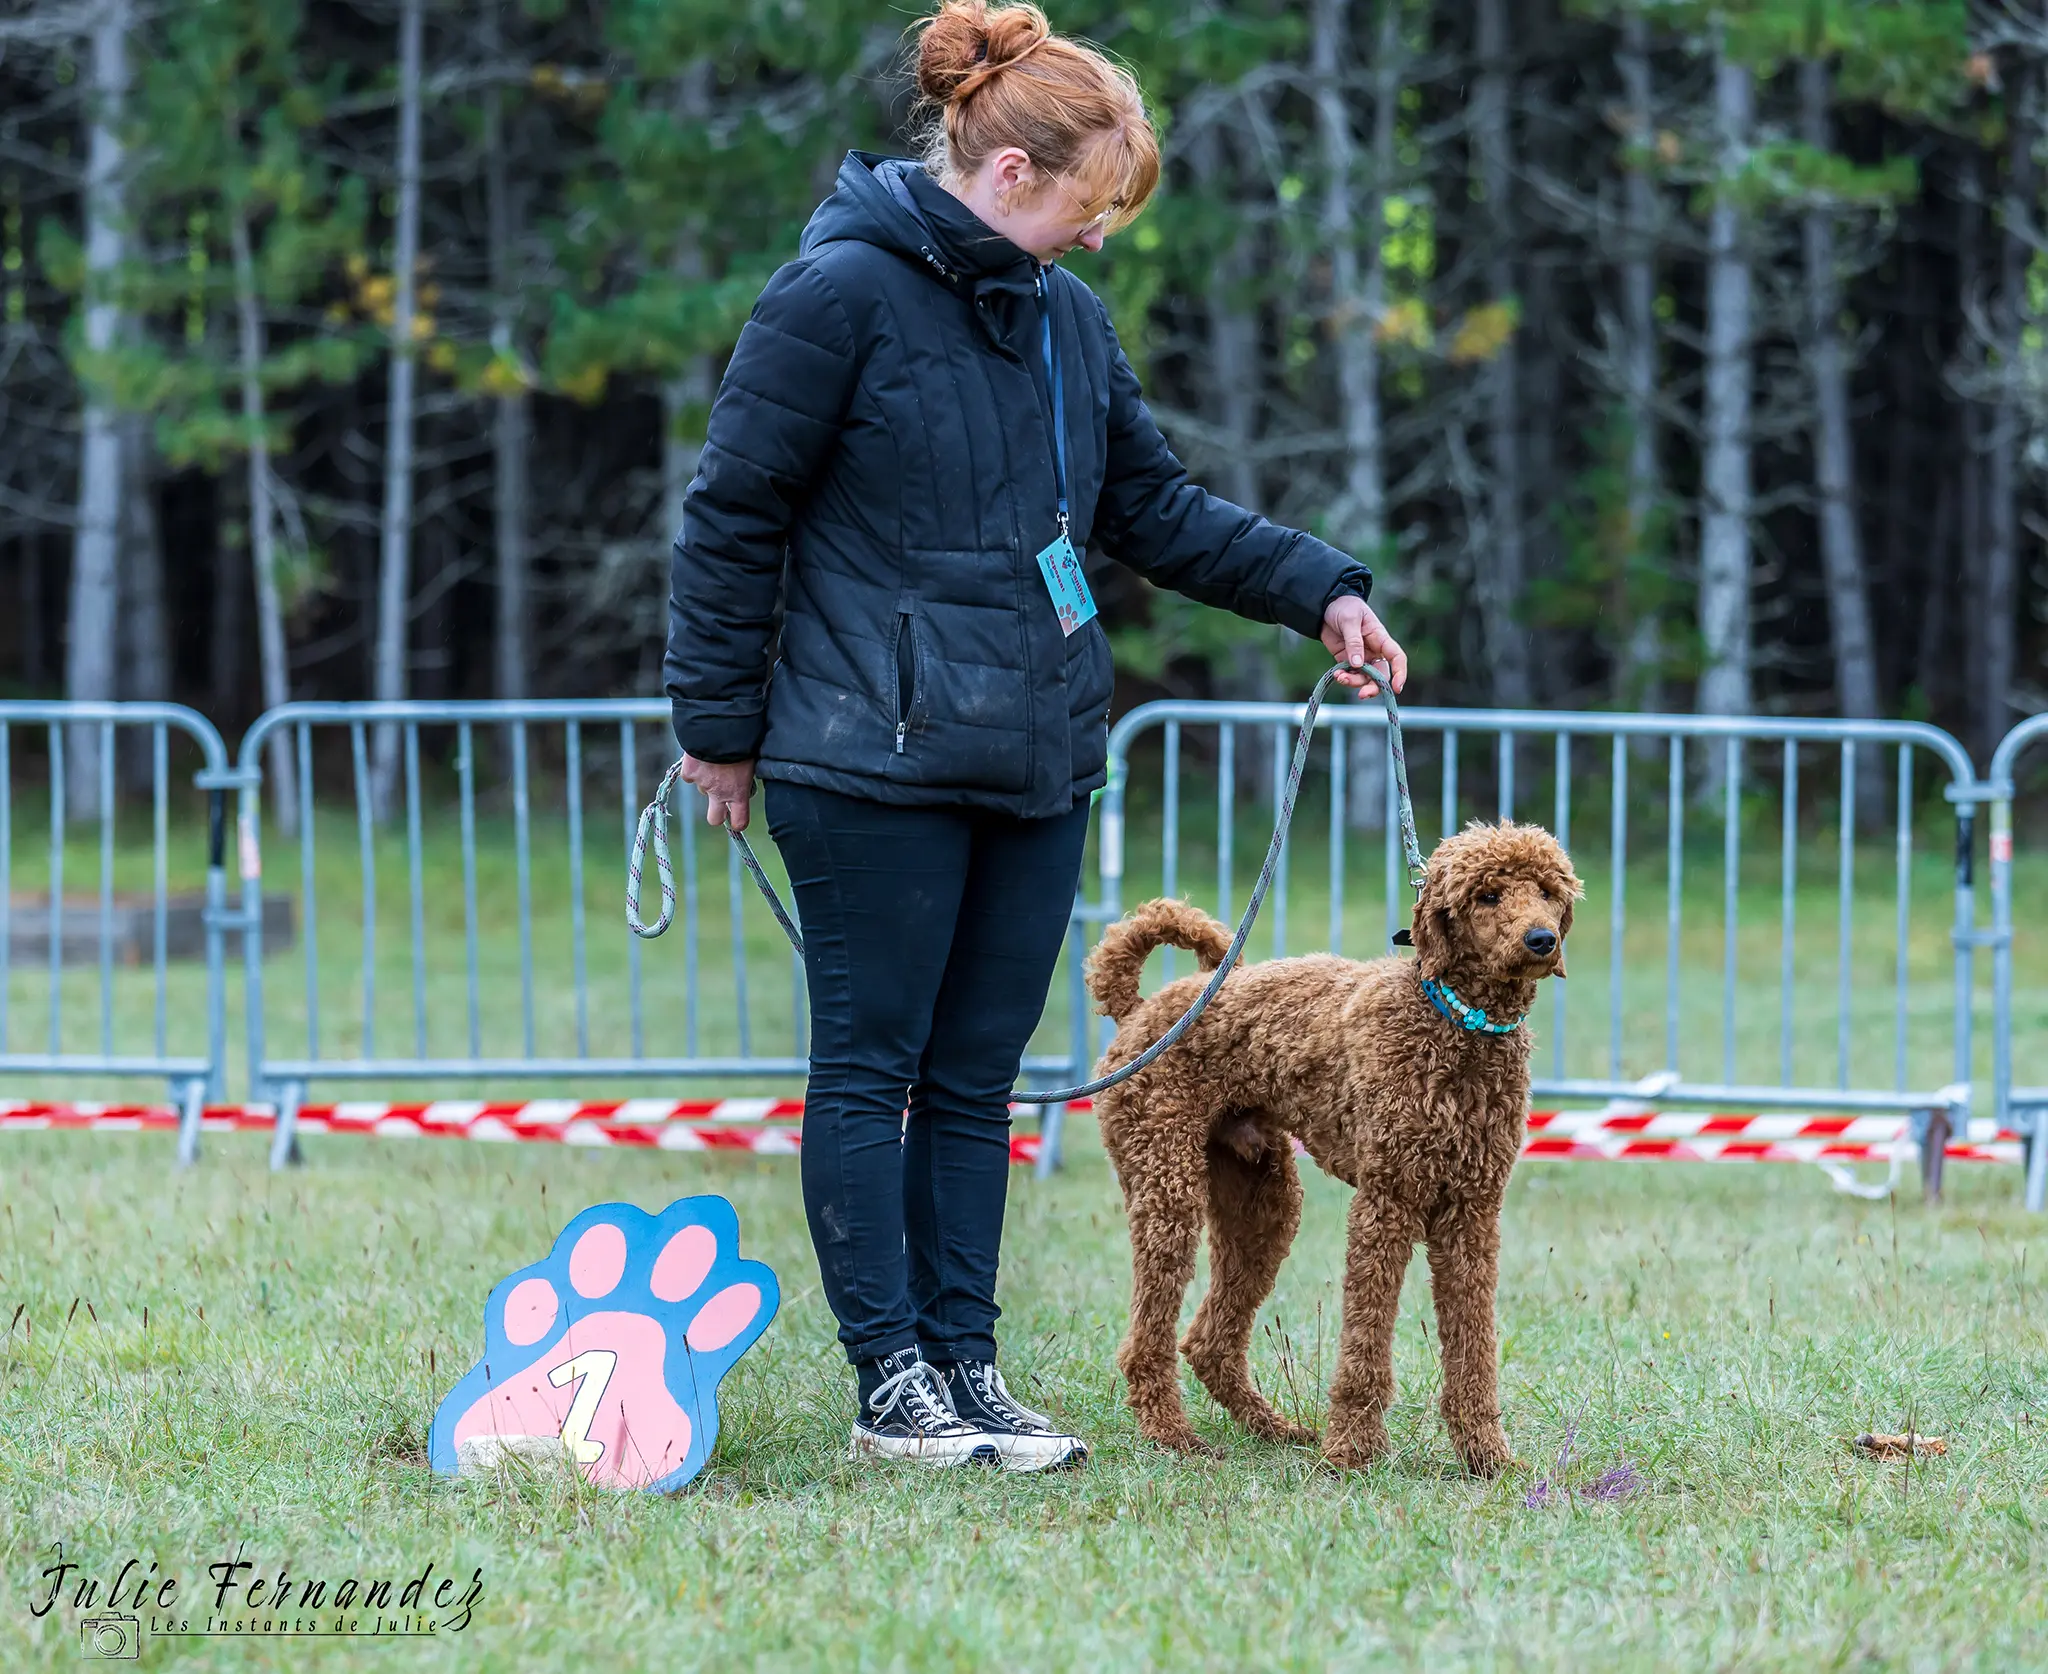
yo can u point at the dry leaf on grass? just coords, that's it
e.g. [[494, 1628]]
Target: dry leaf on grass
[[1898, 1447]]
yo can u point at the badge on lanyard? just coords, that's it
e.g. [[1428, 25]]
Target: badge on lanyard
[[1059, 563]]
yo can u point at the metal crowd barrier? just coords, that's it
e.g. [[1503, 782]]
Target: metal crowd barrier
[[126, 932], [582, 1002], [1645, 760], [2024, 1109], [387, 895]]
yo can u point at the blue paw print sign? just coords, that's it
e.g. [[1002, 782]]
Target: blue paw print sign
[[609, 1352]]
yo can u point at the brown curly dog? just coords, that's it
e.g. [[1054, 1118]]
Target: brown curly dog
[[1421, 1115]]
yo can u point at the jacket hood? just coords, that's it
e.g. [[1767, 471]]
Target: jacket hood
[[893, 203]]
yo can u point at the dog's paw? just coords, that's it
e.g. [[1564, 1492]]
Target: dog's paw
[[607, 1355], [1348, 1454], [1182, 1440], [1284, 1430], [1487, 1455]]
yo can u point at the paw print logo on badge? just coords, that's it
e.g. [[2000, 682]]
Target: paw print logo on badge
[[609, 1352]]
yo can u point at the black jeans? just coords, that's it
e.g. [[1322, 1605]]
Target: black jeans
[[930, 936]]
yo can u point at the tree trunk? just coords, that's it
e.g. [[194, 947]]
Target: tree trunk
[[434, 565], [224, 635], [1841, 538], [1501, 563], [1642, 662], [511, 421], [1359, 519], [1725, 467], [272, 655], [1911, 456], [394, 582], [34, 566], [144, 636], [1929, 645], [1971, 473], [92, 640], [684, 402], [1995, 671], [686, 398], [1235, 366]]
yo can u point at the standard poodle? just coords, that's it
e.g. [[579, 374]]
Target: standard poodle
[[1406, 1079]]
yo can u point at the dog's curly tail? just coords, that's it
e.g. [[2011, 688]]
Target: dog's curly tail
[[1114, 966]]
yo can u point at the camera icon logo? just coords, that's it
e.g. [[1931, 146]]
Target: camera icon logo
[[116, 1638]]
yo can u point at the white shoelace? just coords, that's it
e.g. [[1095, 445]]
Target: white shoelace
[[917, 1388], [995, 1395]]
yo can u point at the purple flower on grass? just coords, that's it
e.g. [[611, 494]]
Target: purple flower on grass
[[1618, 1482], [1622, 1482], [1540, 1496]]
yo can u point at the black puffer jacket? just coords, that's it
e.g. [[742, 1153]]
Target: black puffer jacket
[[879, 480]]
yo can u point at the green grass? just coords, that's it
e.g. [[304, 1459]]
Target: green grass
[[1719, 1329]]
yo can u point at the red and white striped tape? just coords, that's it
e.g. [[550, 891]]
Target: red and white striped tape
[[763, 1127], [770, 1127], [1675, 1136]]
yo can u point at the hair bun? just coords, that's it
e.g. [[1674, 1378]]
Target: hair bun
[[967, 41]]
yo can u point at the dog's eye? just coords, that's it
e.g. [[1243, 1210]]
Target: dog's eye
[[1489, 897], [1546, 895]]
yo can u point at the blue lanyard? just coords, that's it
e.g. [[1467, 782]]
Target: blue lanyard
[[1059, 401]]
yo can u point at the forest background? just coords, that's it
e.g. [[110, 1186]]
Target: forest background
[[1678, 356]]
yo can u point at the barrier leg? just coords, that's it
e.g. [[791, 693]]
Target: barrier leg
[[284, 1139], [2036, 1118], [1051, 1124], [190, 1096], [1934, 1140]]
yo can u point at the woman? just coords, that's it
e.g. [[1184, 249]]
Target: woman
[[922, 425]]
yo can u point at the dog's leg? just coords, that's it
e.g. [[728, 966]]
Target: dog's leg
[[1380, 1238], [1254, 1210], [1464, 1271], [1164, 1202]]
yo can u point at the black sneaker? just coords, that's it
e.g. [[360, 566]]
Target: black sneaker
[[905, 1415], [1030, 1441]]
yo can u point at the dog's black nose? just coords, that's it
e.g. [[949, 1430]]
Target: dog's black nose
[[1542, 943]]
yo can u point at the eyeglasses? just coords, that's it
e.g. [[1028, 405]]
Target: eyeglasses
[[1093, 223]]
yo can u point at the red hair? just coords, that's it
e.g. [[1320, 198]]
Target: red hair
[[998, 76]]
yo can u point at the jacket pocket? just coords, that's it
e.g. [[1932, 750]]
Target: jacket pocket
[[906, 675]]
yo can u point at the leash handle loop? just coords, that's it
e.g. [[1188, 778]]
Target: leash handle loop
[[653, 825]]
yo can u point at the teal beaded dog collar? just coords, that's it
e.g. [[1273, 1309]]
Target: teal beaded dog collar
[[1465, 1017]]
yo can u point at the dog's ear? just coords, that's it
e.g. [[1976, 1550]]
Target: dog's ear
[[1430, 933], [1564, 929]]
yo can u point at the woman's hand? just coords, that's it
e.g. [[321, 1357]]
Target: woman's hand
[[1352, 633], [728, 786]]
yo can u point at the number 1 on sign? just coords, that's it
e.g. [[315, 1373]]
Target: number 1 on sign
[[595, 1368]]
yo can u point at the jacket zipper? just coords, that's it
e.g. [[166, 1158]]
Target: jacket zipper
[[905, 695]]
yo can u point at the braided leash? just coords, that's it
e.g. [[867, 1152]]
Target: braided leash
[[654, 824]]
